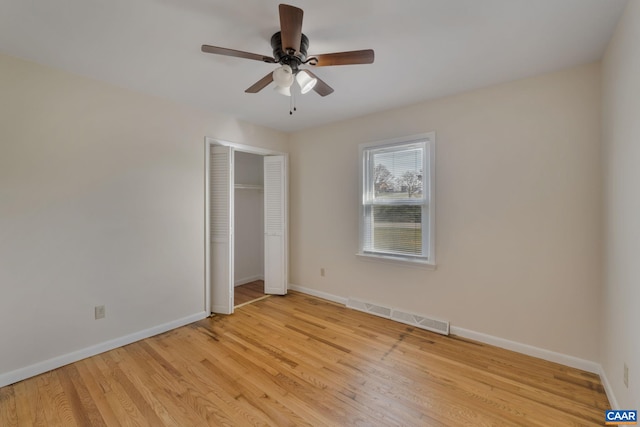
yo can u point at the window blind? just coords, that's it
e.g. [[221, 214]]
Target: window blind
[[395, 200]]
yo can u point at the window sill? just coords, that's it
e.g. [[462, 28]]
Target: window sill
[[397, 260]]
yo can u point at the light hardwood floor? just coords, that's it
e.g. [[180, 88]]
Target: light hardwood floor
[[299, 360], [248, 292]]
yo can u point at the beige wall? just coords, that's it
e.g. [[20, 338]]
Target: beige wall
[[518, 211], [621, 153], [101, 202]]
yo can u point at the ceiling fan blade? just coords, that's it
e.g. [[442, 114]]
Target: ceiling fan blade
[[290, 27], [260, 84], [344, 58], [237, 53], [321, 87]]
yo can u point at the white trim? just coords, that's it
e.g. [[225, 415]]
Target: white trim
[[529, 350], [432, 197], [405, 262], [243, 147], [65, 359], [208, 142], [319, 294], [608, 389], [525, 349], [207, 230], [429, 140], [245, 280], [403, 139]]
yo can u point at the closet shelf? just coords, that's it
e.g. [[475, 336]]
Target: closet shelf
[[248, 187]]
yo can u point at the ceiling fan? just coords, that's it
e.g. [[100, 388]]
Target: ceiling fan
[[290, 51]]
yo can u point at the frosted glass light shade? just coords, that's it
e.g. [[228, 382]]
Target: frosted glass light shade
[[283, 90], [305, 81], [283, 76]]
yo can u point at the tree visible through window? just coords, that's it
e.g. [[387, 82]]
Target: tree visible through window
[[395, 200]]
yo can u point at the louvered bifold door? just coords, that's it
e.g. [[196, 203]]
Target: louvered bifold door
[[275, 225], [221, 226]]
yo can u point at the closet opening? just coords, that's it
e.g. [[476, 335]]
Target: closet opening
[[249, 228], [246, 224]]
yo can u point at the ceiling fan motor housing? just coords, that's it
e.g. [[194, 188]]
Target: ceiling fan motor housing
[[292, 59]]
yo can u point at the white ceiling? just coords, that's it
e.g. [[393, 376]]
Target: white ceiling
[[424, 48]]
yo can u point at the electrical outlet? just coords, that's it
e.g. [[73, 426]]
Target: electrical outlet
[[625, 377], [322, 272], [99, 312]]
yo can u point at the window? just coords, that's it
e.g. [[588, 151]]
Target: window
[[397, 209]]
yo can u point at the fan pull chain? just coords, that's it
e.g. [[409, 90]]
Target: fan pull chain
[[292, 103]]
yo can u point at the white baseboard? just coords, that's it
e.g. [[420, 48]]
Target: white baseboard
[[65, 359], [551, 356], [608, 389], [529, 350], [57, 362], [319, 294], [245, 280]]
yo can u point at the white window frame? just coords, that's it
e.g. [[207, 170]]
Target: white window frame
[[428, 244]]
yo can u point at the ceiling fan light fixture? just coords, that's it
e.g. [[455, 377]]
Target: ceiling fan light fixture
[[290, 47], [305, 81], [283, 76], [283, 90]]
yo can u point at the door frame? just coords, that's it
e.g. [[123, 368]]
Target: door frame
[[208, 142]]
